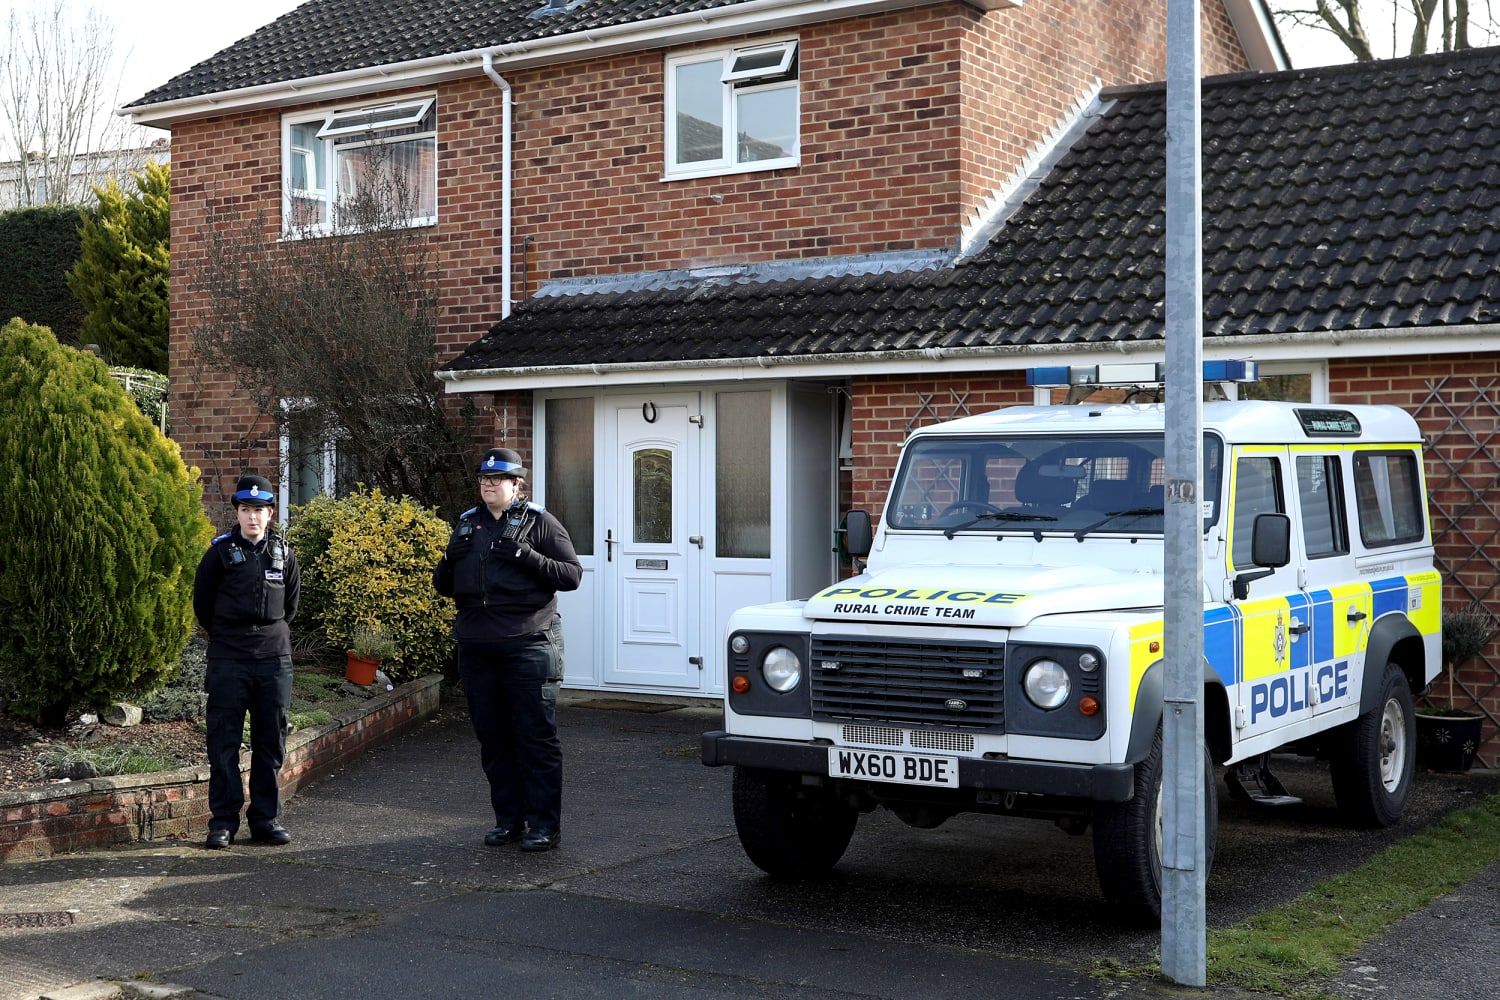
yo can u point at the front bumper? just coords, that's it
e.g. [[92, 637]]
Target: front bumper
[[1095, 782]]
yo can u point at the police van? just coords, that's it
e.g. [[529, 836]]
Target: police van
[[1001, 651]]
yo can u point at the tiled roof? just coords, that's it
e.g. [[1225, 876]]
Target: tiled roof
[[1364, 196], [323, 37]]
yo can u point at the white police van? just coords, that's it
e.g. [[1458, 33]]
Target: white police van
[[1002, 651]]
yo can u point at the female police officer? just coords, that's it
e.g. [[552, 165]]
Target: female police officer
[[505, 563], [245, 594]]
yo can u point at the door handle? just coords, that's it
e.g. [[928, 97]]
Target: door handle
[[1355, 615], [609, 545], [696, 540], [1298, 628]]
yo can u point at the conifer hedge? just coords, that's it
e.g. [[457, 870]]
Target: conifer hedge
[[102, 532]]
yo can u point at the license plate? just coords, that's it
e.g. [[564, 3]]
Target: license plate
[[899, 768]]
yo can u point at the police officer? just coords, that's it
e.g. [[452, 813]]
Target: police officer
[[505, 563], [245, 595]]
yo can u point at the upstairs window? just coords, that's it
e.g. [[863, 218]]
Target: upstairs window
[[361, 167], [733, 110]]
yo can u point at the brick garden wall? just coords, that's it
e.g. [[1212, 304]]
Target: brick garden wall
[[101, 812]]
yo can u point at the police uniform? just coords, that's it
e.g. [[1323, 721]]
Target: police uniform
[[245, 594], [504, 574]]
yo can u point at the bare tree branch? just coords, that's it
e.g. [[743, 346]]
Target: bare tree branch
[[58, 89], [336, 335]]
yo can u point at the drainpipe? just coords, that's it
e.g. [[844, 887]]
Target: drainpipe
[[505, 99]]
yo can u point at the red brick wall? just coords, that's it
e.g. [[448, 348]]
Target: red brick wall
[[1461, 473], [909, 120], [884, 406], [1025, 70]]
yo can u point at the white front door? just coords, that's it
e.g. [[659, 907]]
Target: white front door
[[653, 545]]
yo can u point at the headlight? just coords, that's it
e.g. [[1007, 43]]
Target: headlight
[[781, 668], [1047, 684]]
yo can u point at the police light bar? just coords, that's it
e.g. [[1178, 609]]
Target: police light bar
[[1137, 374]]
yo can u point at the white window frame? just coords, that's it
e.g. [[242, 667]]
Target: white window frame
[[735, 78], [336, 127]]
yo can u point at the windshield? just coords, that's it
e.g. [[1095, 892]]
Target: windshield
[[1039, 483]]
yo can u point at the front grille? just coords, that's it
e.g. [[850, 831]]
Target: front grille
[[919, 683]]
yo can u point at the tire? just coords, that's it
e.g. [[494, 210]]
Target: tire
[[789, 830], [1128, 838], [1375, 756]]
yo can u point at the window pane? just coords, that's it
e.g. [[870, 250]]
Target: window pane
[[304, 461], [570, 468], [767, 123], [742, 479], [699, 98], [1257, 490], [400, 176], [1318, 489], [1386, 491], [652, 468], [307, 173]]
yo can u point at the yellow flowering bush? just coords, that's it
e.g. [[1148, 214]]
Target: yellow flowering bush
[[367, 564]]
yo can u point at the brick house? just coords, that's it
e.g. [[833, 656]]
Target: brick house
[[705, 263]]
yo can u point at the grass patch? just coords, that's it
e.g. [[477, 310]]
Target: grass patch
[[1291, 949], [118, 758]]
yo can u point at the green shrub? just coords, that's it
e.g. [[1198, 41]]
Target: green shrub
[[367, 563], [103, 530], [121, 274], [182, 698]]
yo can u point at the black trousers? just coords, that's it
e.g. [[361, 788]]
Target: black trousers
[[263, 688], [511, 686]]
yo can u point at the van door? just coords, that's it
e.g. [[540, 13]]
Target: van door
[[1329, 578], [1276, 616]]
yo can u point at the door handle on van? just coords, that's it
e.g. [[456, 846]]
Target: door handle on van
[[1355, 615], [1298, 628]]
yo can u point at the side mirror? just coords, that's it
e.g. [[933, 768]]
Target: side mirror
[[858, 535], [1270, 547], [1271, 540]]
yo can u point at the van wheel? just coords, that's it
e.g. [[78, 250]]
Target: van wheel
[[1128, 838], [1376, 755], [788, 829]]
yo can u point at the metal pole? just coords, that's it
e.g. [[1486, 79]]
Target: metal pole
[[1183, 937]]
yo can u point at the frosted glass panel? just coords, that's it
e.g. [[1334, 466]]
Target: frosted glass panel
[[570, 469], [742, 480], [653, 495]]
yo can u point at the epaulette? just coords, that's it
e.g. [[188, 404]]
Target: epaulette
[[468, 513], [226, 534], [530, 505]]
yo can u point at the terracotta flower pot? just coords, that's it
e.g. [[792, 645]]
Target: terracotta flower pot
[[359, 669]]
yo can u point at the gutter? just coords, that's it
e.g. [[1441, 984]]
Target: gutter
[[949, 361], [675, 29]]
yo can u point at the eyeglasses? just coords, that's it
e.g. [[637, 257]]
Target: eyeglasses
[[493, 480]]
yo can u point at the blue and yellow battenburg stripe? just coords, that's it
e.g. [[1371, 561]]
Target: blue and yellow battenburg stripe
[[1229, 630]]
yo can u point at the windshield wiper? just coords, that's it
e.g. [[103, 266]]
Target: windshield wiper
[[1132, 512], [999, 515]]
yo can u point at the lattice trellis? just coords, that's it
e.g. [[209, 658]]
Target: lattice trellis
[[1461, 420], [927, 410]]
